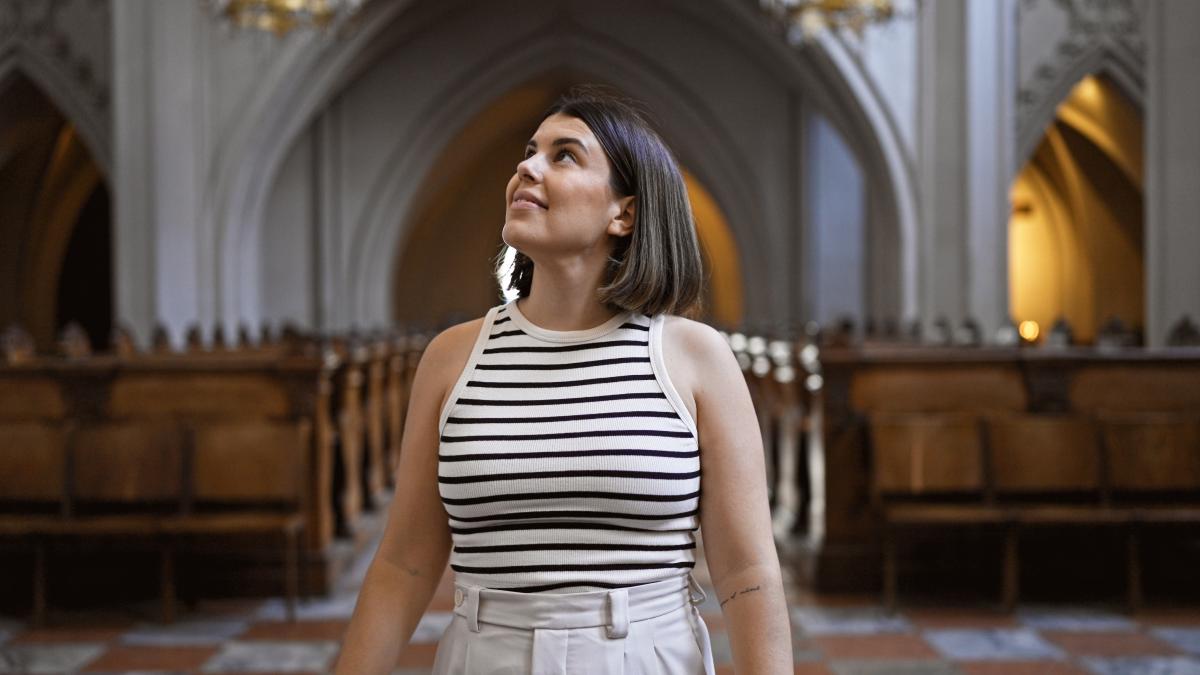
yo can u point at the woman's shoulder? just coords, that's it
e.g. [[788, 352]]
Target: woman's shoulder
[[693, 352], [694, 338], [447, 353]]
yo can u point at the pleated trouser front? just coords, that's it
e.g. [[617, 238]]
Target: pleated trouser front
[[653, 629]]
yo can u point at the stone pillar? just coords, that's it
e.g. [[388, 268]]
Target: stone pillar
[[942, 168], [991, 143], [1172, 236], [159, 166]]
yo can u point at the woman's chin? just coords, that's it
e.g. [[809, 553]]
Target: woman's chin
[[512, 235]]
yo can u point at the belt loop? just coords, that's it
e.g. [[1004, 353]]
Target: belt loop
[[697, 592], [618, 613], [471, 607]]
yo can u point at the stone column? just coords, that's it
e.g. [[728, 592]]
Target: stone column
[[1172, 235], [159, 166], [942, 168], [991, 143]]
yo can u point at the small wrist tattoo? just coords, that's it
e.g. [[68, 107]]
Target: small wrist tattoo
[[748, 589]]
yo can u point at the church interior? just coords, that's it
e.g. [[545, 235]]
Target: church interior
[[953, 245]]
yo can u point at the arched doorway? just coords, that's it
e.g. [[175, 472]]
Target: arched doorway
[[1076, 232], [55, 223]]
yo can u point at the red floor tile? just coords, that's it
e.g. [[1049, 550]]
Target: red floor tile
[[1181, 616], [960, 617], [801, 669], [300, 630], [1020, 668], [1108, 643], [873, 647], [121, 658]]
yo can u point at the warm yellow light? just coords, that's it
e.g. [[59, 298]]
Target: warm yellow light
[[1029, 330]]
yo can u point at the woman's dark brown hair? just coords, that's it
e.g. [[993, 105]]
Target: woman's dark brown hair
[[656, 268]]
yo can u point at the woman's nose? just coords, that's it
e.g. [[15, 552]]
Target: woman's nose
[[528, 168]]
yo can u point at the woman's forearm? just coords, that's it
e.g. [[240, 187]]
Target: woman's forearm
[[756, 617], [390, 605]]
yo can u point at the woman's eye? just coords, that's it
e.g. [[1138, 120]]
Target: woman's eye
[[529, 153]]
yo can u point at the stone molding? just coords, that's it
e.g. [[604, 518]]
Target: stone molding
[[64, 46], [1100, 36]]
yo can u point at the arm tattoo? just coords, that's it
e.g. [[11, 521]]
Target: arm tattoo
[[735, 594]]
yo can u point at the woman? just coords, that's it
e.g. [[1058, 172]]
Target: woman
[[556, 442]]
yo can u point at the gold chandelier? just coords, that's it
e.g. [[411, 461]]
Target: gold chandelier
[[810, 17], [282, 16]]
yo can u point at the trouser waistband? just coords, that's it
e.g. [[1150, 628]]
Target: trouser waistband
[[615, 608]]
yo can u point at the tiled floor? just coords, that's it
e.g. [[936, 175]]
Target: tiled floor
[[842, 635]]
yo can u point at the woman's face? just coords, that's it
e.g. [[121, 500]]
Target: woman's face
[[559, 201]]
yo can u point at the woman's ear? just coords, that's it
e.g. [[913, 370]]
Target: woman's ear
[[622, 225]]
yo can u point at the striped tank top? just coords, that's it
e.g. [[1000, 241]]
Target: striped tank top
[[568, 461]]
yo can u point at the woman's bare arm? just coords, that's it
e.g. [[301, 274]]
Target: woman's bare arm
[[734, 513], [416, 541]]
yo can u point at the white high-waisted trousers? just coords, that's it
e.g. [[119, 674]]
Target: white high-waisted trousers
[[653, 629]]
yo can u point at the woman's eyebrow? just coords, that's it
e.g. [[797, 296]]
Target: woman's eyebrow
[[566, 140]]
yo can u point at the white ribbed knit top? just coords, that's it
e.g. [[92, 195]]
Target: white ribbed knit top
[[567, 460]]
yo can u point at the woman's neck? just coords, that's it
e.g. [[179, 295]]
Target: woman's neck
[[563, 297]]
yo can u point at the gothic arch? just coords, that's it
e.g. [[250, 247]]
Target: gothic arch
[[52, 187], [66, 96], [1105, 57]]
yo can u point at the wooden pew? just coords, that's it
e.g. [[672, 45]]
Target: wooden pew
[[123, 480], [247, 477], [345, 405], [1075, 439], [1048, 470], [927, 470], [33, 465], [373, 408], [1149, 416], [41, 398], [205, 391]]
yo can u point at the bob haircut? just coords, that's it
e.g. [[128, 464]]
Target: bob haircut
[[656, 268]]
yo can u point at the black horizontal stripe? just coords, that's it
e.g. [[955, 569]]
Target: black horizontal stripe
[[542, 515], [636, 326], [483, 456], [562, 383], [611, 567], [506, 334], [559, 418], [510, 548], [566, 584], [561, 366], [497, 322], [580, 473], [514, 527], [571, 494], [565, 348], [606, 433], [562, 401]]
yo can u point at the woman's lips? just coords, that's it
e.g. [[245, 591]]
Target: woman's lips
[[523, 204]]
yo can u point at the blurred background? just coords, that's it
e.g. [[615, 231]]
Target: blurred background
[[953, 243]]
